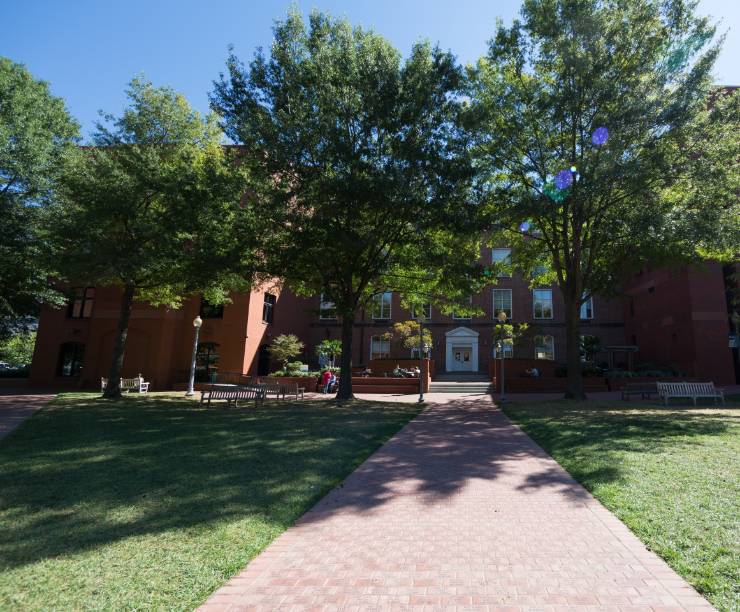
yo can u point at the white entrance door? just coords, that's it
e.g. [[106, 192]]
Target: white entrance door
[[461, 350], [462, 359]]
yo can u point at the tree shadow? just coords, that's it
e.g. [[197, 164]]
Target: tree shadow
[[607, 429], [79, 476], [76, 477]]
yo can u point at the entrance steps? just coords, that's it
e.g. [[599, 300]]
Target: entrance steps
[[461, 377], [476, 388], [461, 382]]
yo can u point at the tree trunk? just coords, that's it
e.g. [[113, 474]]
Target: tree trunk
[[573, 348], [345, 373], [113, 388]]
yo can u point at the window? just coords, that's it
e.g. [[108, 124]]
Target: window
[[502, 301], [206, 361], [463, 317], [327, 310], [503, 258], [542, 303], [81, 303], [539, 270], [415, 353], [268, 308], [508, 351], [382, 305], [211, 311], [587, 309], [380, 347], [426, 310], [71, 356], [544, 347]]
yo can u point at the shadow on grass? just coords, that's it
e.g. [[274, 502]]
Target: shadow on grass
[[610, 427], [86, 472]]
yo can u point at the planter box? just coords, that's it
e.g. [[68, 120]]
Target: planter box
[[378, 384], [617, 384], [13, 383], [551, 385]]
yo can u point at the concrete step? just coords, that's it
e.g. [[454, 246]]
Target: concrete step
[[461, 387], [462, 377]]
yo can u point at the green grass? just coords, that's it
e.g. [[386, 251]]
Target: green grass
[[154, 502], [672, 475]]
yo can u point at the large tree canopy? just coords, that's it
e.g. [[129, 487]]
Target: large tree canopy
[[358, 163], [601, 146], [152, 208], [35, 130]]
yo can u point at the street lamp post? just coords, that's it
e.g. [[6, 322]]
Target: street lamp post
[[197, 322], [420, 321], [502, 320]]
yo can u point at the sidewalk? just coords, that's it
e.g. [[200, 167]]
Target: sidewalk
[[16, 406], [459, 509]]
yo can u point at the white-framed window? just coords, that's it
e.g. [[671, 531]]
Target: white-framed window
[[502, 256], [508, 350], [544, 347], [382, 305], [502, 301], [380, 347], [426, 310], [539, 270], [463, 317], [542, 299], [587, 309], [327, 310]]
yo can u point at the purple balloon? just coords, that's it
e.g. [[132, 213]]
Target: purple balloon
[[524, 227], [600, 136], [563, 179]]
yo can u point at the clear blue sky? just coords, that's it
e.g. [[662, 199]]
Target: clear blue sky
[[89, 49]]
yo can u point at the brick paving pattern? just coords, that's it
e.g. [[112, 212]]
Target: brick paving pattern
[[460, 510], [17, 407]]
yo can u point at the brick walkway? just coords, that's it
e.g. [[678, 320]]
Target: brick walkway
[[16, 407], [460, 510]]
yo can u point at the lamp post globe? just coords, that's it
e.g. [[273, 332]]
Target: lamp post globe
[[197, 322]]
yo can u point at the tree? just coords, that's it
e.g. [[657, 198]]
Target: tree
[[599, 146], [18, 348], [35, 131], [285, 347], [507, 333], [358, 161], [329, 349], [408, 331], [146, 208]]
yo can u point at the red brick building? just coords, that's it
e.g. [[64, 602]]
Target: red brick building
[[678, 318]]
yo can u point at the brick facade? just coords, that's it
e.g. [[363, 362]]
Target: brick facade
[[676, 318]]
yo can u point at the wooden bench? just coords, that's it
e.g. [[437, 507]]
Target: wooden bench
[[128, 384], [272, 387], [294, 390], [690, 390], [644, 390], [232, 393]]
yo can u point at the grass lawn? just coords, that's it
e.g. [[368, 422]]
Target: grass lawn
[[155, 502], [671, 474]]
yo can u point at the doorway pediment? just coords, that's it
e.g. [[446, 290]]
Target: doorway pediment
[[461, 332]]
